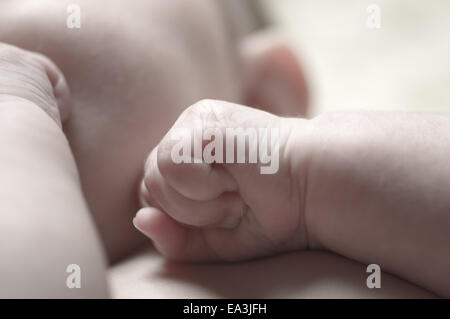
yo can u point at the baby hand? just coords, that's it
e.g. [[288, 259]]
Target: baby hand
[[216, 205], [33, 77]]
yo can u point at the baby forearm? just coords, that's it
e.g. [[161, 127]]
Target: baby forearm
[[44, 221], [377, 192]]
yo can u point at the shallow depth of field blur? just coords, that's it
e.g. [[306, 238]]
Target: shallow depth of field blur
[[404, 65]]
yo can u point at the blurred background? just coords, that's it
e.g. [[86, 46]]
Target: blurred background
[[403, 65]]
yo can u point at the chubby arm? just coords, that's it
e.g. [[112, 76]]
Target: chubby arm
[[378, 191], [44, 221], [45, 224]]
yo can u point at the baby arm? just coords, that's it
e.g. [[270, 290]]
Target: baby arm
[[44, 221], [372, 187], [378, 192]]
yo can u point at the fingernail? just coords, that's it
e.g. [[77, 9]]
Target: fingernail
[[230, 222], [141, 214], [135, 224]]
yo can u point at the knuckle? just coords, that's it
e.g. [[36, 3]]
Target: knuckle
[[208, 112], [22, 66], [148, 166], [22, 74], [151, 186], [15, 59], [200, 108], [166, 166], [10, 55]]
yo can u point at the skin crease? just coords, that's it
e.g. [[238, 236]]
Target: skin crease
[[108, 65]]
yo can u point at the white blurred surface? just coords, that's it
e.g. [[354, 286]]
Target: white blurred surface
[[304, 274], [404, 65]]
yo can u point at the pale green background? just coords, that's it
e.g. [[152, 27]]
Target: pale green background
[[404, 65]]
